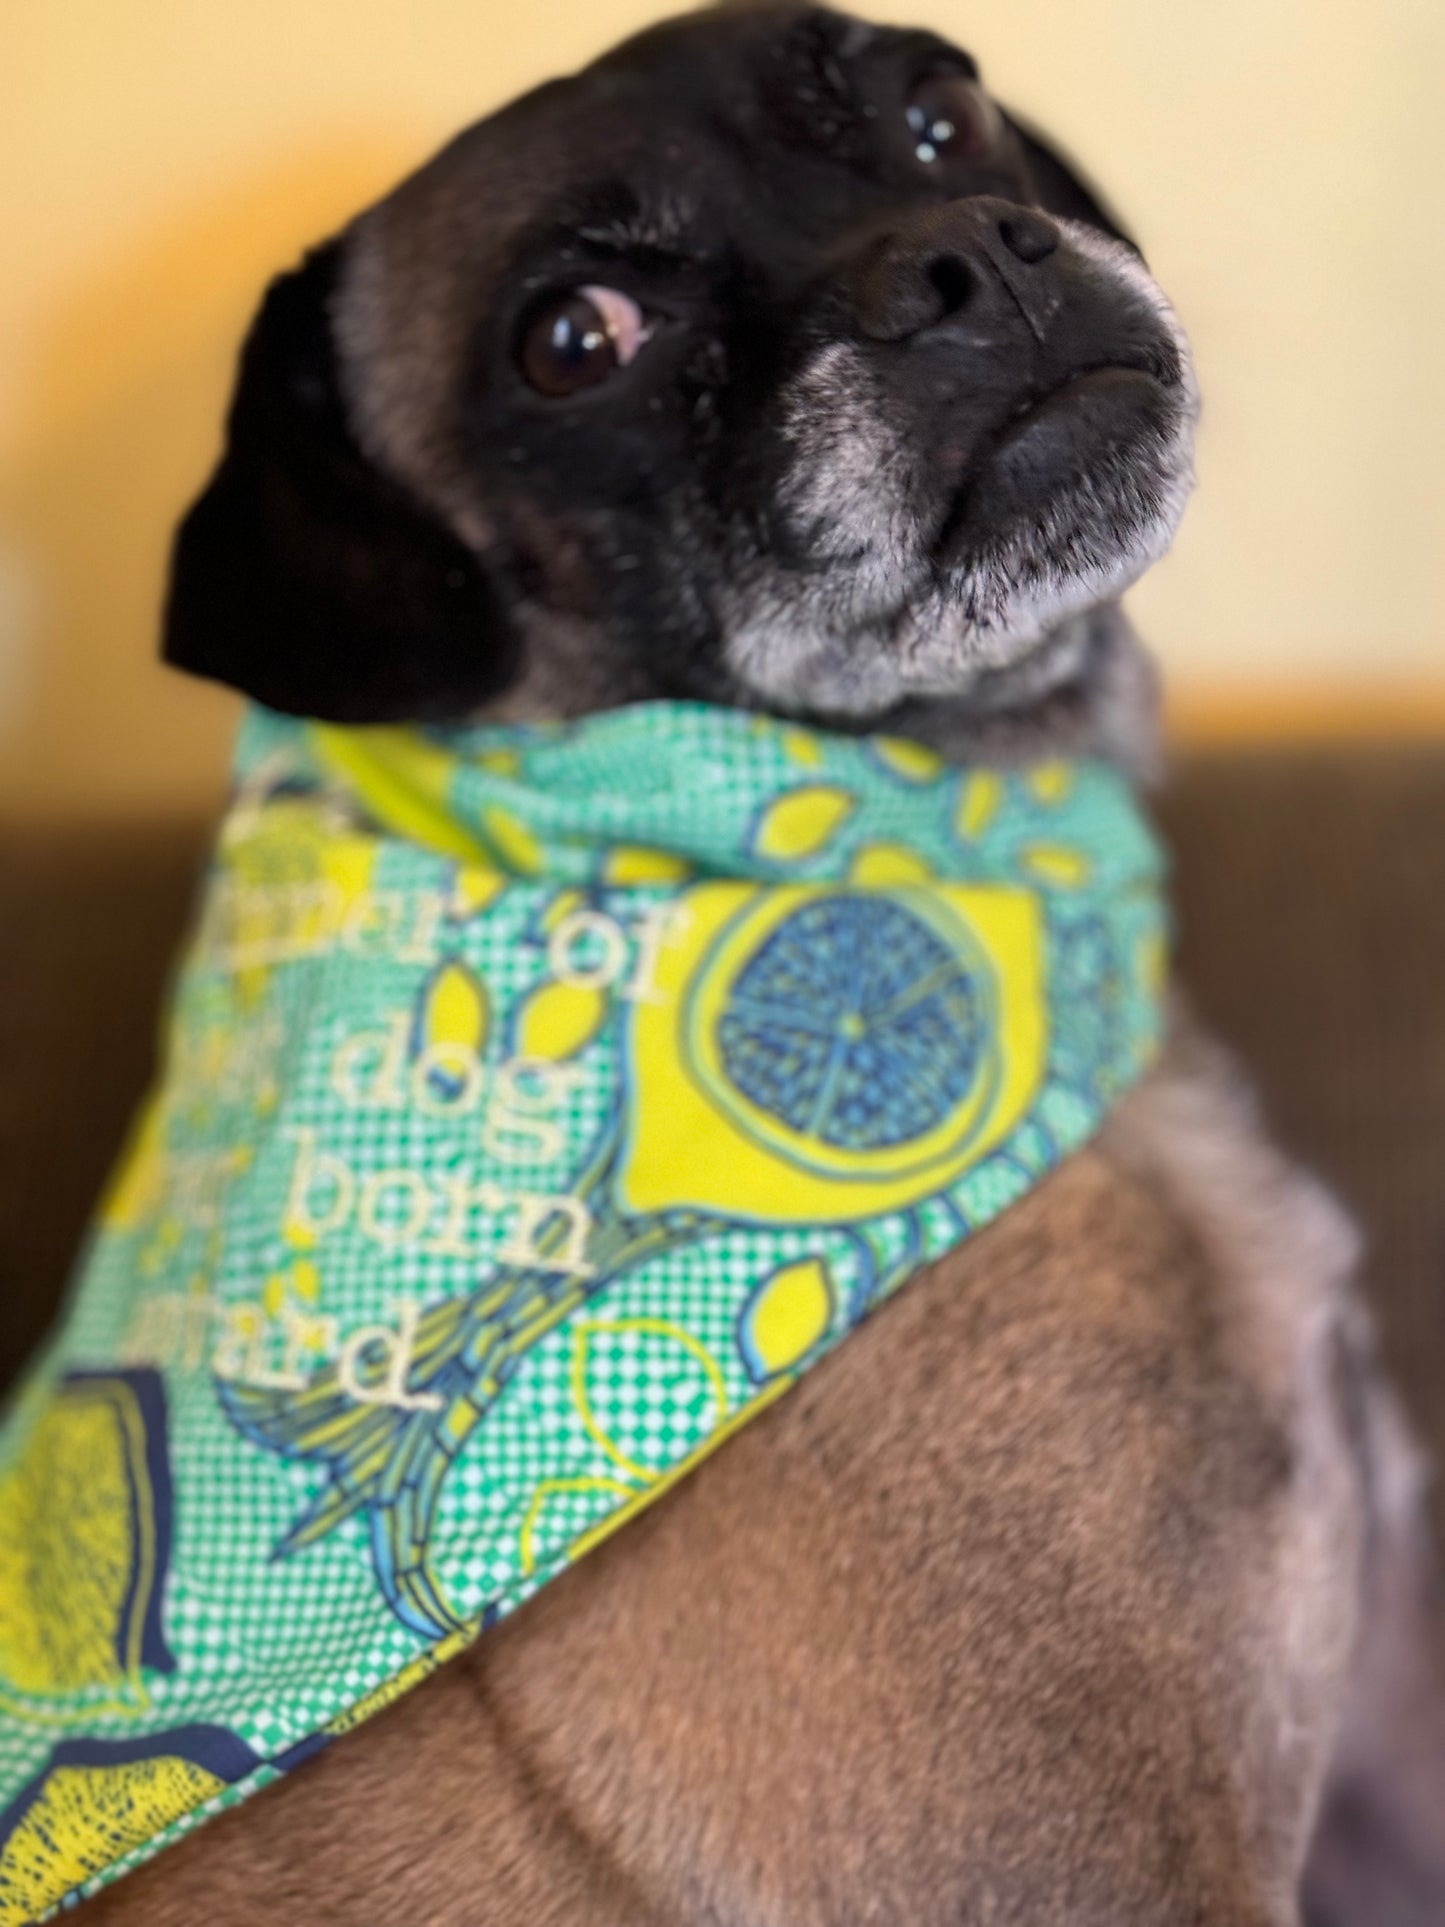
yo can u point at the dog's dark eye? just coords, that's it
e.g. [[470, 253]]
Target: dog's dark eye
[[576, 340], [952, 118]]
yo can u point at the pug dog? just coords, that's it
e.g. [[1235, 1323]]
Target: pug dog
[[770, 362]]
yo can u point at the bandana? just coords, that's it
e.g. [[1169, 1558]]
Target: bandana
[[537, 1104]]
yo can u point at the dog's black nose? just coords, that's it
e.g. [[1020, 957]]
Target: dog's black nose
[[958, 261]]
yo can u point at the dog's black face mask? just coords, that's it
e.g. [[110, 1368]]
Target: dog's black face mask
[[766, 361]]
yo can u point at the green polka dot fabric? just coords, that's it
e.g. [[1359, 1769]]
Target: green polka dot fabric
[[537, 1105]]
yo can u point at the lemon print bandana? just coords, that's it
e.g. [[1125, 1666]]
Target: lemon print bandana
[[537, 1104]]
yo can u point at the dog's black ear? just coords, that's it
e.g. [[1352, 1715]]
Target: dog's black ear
[[306, 577], [1062, 188]]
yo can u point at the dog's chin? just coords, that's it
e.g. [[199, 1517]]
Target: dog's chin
[[1070, 501], [930, 661], [1097, 443]]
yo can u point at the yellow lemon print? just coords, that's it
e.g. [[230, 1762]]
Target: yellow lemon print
[[475, 888], [83, 1819], [883, 863], [292, 880], [404, 781], [785, 1318], [84, 1541], [288, 842], [978, 802], [633, 863], [802, 746], [559, 1020], [306, 1281], [560, 908], [96, 1802], [501, 762], [802, 822], [912, 761], [1057, 865], [514, 843], [301, 1281], [1051, 783], [454, 1008], [348, 863], [451, 1027], [135, 1192], [832, 1053]]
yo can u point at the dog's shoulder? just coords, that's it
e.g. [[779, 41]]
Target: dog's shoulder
[[1041, 1496]]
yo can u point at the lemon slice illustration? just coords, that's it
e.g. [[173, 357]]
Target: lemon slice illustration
[[785, 1317], [854, 1027], [832, 1053]]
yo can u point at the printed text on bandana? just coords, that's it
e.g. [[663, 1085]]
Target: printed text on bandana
[[514, 1108]]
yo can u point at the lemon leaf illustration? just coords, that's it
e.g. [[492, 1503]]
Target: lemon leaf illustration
[[1051, 783], [801, 822], [475, 889], [404, 781], [979, 797], [1057, 865], [634, 863], [501, 762], [563, 905], [912, 761], [513, 840], [786, 1316], [559, 1020], [138, 1187], [451, 1024], [802, 746]]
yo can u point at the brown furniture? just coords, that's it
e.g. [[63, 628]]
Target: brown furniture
[[1311, 894]]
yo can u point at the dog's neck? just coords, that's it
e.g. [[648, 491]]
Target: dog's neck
[[1088, 689]]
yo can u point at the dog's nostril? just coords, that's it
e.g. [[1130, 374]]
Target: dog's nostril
[[952, 281], [1030, 238]]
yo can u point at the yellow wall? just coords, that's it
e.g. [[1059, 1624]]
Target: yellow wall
[[1283, 159]]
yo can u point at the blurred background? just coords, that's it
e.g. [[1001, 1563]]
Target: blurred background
[[1283, 162]]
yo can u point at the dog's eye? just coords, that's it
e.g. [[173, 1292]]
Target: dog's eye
[[952, 118], [576, 340]]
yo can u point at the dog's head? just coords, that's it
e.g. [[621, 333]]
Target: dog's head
[[766, 361]]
